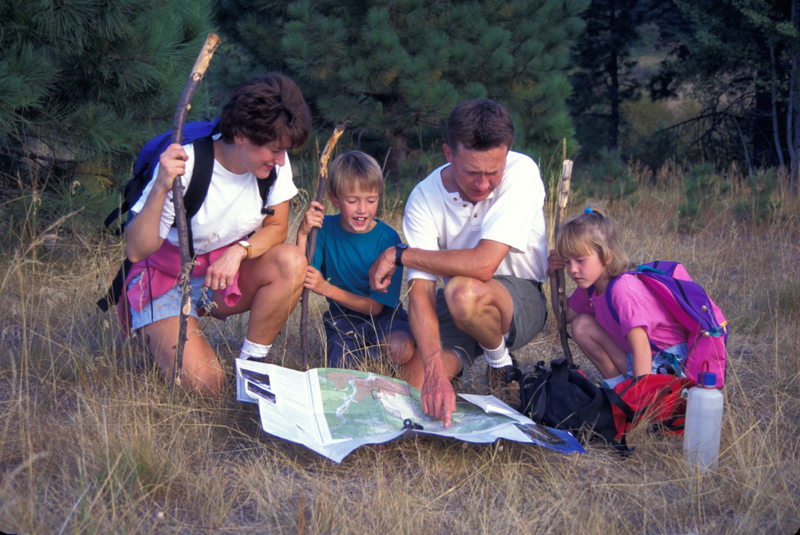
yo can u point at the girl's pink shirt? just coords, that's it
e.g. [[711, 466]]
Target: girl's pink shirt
[[636, 307], [163, 269]]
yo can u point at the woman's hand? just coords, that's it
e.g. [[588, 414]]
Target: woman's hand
[[142, 237], [172, 164], [554, 263], [315, 281], [222, 273]]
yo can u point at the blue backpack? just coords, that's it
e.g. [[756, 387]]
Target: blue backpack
[[198, 133], [692, 307]]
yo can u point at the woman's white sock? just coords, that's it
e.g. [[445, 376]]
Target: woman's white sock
[[252, 350]]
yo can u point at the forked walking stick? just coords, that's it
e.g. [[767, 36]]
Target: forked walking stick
[[185, 103], [312, 236], [558, 294]]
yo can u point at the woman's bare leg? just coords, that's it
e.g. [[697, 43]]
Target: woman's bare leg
[[201, 370], [271, 285]]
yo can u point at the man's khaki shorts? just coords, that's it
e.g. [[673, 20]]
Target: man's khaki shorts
[[530, 314]]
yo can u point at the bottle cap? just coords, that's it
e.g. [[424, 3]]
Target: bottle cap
[[707, 379]]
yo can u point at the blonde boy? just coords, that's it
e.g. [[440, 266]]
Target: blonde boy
[[358, 318]]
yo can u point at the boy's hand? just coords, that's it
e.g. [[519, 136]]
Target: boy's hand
[[554, 263], [313, 218], [315, 281]]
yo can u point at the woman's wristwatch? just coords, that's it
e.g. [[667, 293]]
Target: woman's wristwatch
[[247, 248]]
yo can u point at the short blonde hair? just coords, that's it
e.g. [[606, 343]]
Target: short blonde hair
[[352, 169], [590, 231]]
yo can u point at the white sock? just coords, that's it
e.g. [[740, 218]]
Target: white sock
[[251, 350], [614, 381], [497, 358]]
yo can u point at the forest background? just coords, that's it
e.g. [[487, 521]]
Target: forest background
[[682, 117], [706, 83]]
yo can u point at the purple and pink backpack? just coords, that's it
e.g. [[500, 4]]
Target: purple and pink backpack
[[691, 306]]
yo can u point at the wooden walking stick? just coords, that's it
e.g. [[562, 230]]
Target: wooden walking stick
[[558, 294], [312, 236], [185, 103]]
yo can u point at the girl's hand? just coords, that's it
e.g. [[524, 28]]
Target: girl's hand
[[222, 273], [554, 263], [315, 281], [172, 164], [313, 218]]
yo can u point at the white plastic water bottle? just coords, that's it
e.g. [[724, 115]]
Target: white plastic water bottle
[[703, 422]]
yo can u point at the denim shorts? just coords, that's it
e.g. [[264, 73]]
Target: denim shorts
[[667, 361], [169, 304], [352, 335]]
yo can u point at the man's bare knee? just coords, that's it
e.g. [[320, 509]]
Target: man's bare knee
[[462, 295]]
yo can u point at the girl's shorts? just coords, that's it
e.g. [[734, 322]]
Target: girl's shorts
[[667, 361], [169, 304]]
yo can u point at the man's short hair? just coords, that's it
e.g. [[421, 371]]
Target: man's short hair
[[479, 124], [352, 169], [266, 109]]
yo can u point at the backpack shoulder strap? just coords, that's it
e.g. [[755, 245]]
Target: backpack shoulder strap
[[264, 185], [612, 310], [201, 176], [198, 187]]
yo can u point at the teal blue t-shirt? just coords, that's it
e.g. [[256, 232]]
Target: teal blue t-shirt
[[344, 258]]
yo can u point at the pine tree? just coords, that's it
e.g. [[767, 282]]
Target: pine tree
[[604, 78], [396, 68], [85, 82]]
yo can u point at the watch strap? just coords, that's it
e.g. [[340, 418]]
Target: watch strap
[[247, 247], [398, 253]]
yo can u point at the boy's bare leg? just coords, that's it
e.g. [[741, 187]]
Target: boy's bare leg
[[399, 346], [598, 346], [413, 372]]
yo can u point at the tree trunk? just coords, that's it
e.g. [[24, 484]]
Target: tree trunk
[[775, 130], [613, 90], [793, 119]]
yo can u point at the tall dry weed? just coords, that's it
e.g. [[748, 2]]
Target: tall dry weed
[[92, 441]]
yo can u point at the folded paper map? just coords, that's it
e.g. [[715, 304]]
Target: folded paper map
[[333, 411]]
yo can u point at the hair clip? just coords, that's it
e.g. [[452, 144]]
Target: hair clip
[[588, 210]]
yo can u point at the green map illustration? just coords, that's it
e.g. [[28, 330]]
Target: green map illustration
[[361, 404]]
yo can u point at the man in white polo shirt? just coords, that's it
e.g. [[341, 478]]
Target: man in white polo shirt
[[477, 222]]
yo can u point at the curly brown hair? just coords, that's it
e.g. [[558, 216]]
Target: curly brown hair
[[264, 109]]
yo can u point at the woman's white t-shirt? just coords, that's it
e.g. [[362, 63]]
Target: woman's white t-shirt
[[231, 210]]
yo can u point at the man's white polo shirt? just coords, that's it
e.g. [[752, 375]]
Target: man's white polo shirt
[[513, 214]]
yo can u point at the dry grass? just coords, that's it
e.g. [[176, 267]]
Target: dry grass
[[91, 441]]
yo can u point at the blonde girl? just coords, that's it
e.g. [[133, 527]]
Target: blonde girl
[[588, 248]]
